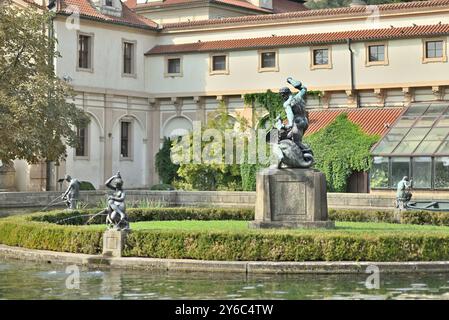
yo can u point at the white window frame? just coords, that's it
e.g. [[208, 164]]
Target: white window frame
[[133, 74], [166, 73], [91, 51], [276, 61], [211, 63], [314, 66]]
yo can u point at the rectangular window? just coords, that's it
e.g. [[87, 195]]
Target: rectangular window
[[81, 149], [434, 49], [109, 3], [219, 63], [84, 51], [125, 133], [422, 172], [128, 58], [320, 57], [268, 60], [173, 66], [441, 173], [376, 53], [379, 173], [400, 167]]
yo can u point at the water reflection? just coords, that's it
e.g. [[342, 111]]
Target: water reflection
[[26, 280]]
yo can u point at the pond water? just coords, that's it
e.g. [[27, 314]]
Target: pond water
[[30, 280]]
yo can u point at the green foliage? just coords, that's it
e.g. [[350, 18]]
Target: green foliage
[[86, 186], [350, 241], [36, 120], [166, 169], [23, 232], [287, 246], [213, 174], [425, 217], [340, 149], [363, 215], [162, 187]]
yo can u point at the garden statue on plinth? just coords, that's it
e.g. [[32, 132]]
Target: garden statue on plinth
[[72, 193], [403, 194], [290, 194], [116, 210], [290, 150]]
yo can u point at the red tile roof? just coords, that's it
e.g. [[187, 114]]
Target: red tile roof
[[278, 5], [88, 11], [371, 120], [306, 14], [304, 39]]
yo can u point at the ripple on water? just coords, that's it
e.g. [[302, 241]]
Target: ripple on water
[[29, 280]]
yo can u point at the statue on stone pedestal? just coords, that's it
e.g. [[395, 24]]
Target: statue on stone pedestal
[[72, 193], [290, 150], [116, 210], [403, 194]]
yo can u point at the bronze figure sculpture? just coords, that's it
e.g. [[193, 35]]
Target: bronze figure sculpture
[[72, 193], [116, 210], [291, 152]]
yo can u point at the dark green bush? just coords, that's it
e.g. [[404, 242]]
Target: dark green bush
[[162, 187], [425, 217], [149, 214], [35, 232], [360, 215], [284, 246], [21, 232], [86, 186]]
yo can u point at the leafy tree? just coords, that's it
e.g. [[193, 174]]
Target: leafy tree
[[36, 121], [340, 149], [211, 176], [166, 169]]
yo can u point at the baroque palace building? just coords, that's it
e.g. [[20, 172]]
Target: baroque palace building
[[148, 69]]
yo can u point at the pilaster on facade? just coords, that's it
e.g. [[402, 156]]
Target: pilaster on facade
[[381, 96], [352, 98], [438, 92], [325, 99], [408, 96], [200, 103]]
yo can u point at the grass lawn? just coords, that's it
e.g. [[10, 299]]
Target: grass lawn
[[241, 226]]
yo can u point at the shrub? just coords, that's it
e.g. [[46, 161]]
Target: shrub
[[285, 246], [164, 166], [22, 232], [86, 186], [425, 217], [361, 215]]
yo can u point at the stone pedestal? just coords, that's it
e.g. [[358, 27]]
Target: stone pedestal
[[291, 198], [114, 242]]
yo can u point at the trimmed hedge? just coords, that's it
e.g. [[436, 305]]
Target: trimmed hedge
[[425, 217], [151, 214], [284, 246], [36, 232], [22, 232], [355, 215]]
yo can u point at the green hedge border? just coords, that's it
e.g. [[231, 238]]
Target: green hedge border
[[38, 231]]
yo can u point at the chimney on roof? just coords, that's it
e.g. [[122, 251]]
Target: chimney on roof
[[357, 3]]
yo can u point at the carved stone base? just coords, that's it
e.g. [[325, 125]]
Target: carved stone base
[[291, 198], [114, 242]]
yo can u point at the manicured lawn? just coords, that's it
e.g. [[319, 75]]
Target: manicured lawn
[[234, 225]]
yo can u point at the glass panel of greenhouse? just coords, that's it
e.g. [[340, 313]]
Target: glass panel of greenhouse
[[417, 146]]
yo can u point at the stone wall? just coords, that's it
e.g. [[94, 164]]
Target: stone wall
[[11, 201]]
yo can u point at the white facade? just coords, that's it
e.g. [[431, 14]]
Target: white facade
[[158, 105]]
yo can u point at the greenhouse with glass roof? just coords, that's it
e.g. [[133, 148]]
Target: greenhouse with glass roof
[[417, 145]]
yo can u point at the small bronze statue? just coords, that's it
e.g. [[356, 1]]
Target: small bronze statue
[[116, 210], [72, 193], [403, 194], [290, 150]]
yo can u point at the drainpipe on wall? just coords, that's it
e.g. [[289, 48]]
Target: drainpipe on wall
[[49, 164], [351, 59]]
